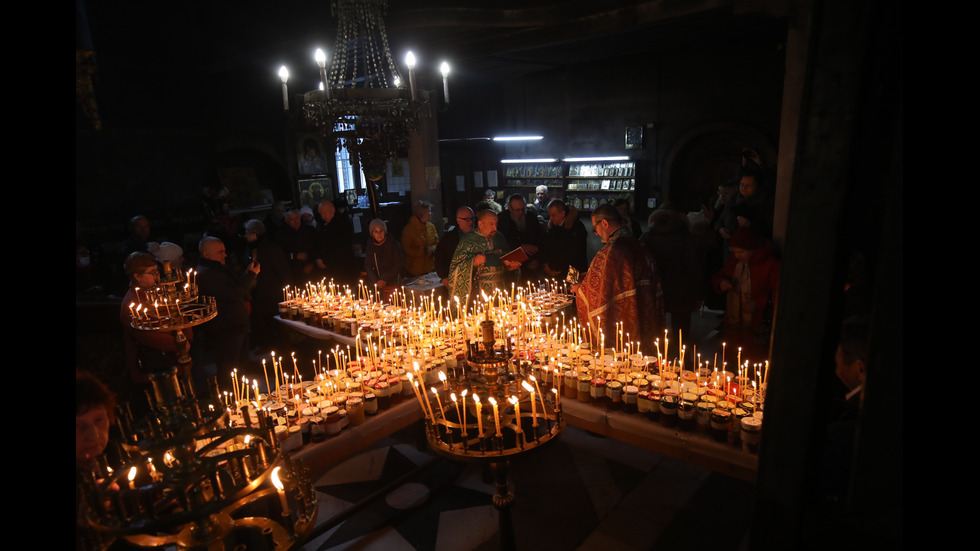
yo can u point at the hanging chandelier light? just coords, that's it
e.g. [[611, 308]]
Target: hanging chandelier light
[[364, 103]]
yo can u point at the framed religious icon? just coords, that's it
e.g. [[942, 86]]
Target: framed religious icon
[[310, 154], [634, 137]]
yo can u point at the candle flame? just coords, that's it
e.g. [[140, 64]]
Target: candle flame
[[275, 479]]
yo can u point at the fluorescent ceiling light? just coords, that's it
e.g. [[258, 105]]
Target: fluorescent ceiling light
[[581, 159], [517, 138], [464, 139], [528, 160]]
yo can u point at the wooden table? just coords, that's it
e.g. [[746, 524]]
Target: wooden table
[[316, 332], [320, 456], [638, 430]]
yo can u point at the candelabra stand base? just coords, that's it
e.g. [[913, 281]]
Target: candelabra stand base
[[503, 500]]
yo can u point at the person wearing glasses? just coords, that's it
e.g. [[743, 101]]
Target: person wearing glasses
[[621, 285], [465, 221], [477, 266]]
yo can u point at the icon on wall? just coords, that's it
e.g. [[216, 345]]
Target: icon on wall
[[634, 137]]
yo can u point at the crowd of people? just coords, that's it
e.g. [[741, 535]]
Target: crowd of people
[[642, 282], [639, 282]]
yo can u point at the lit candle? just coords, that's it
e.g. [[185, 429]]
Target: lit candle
[[534, 407], [479, 415], [410, 61], [496, 416], [455, 403], [444, 69], [438, 401], [463, 418], [284, 76], [321, 61], [281, 490], [517, 413]]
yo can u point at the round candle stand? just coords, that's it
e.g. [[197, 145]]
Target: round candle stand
[[489, 411]]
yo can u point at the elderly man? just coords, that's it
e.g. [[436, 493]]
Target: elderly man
[[521, 227], [541, 202], [225, 335], [564, 244], [621, 285], [477, 265], [465, 222]]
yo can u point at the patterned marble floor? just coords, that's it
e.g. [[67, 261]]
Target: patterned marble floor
[[582, 492]]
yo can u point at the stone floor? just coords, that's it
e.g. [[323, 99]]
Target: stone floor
[[580, 492]]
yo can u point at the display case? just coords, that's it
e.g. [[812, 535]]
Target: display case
[[590, 183], [584, 183], [533, 173]]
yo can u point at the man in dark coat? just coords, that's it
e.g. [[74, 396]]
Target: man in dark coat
[[336, 257], [268, 284], [225, 337], [522, 228], [301, 244], [565, 242]]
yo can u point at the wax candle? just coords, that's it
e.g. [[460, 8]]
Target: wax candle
[[534, 407], [281, 490], [496, 416], [479, 415]]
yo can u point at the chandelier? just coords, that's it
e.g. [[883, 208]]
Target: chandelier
[[364, 103]]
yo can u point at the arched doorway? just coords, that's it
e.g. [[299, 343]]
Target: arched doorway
[[707, 156]]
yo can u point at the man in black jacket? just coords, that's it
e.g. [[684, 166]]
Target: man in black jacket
[[522, 228], [225, 342]]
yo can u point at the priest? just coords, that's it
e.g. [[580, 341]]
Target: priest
[[621, 285], [477, 266]]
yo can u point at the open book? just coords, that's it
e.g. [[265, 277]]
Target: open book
[[517, 255]]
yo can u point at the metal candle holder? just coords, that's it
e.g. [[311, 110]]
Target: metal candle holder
[[190, 479], [526, 419]]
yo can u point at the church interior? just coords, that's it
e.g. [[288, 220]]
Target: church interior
[[180, 112]]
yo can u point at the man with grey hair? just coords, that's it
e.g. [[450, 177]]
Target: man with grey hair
[[541, 202], [520, 227], [223, 340], [477, 266], [621, 285]]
